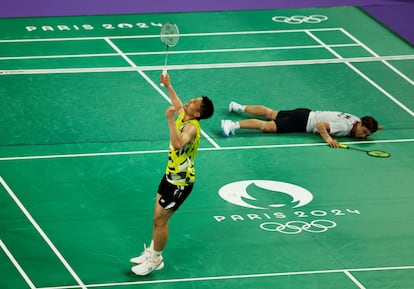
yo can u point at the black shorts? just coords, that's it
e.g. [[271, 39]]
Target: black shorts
[[292, 120], [172, 196]]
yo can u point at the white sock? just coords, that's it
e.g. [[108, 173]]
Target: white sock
[[154, 255], [236, 125], [238, 106]]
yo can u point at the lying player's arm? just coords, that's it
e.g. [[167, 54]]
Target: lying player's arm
[[323, 129]]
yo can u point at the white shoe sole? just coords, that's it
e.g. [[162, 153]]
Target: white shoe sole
[[159, 267]]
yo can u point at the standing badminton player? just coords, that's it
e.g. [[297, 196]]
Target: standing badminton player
[[178, 181]]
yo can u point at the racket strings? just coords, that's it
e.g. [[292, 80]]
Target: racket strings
[[372, 153], [379, 154], [169, 34]]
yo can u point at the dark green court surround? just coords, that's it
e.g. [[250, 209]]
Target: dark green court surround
[[84, 139]]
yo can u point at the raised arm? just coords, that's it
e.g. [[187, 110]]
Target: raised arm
[[323, 129], [175, 99], [179, 139]]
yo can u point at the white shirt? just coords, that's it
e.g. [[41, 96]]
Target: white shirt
[[340, 123]]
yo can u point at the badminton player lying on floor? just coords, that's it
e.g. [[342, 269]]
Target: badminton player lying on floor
[[326, 123]]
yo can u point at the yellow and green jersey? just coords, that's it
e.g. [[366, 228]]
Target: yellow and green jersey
[[180, 169]]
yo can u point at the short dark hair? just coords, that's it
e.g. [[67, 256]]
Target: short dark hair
[[370, 123], [207, 108]]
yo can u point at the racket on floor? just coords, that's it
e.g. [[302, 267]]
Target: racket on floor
[[372, 153], [169, 35]]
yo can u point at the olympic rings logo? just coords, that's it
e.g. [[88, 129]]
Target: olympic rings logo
[[296, 227], [299, 19]]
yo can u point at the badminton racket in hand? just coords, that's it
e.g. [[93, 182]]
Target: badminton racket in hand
[[372, 153], [169, 35]]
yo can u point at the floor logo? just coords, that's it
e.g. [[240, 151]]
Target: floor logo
[[277, 207], [240, 194], [299, 19]]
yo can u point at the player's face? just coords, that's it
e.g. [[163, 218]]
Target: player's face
[[362, 132], [193, 106]]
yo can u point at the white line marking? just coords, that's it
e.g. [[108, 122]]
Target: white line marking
[[376, 55], [232, 277], [204, 66], [199, 51], [355, 280], [42, 233], [157, 35], [58, 56], [377, 86], [364, 76], [58, 156], [17, 265]]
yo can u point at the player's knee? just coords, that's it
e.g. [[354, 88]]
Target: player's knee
[[268, 127], [271, 114], [159, 222]]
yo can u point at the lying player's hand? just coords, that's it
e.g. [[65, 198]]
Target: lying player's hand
[[333, 143]]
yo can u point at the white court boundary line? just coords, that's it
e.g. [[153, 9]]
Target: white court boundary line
[[246, 276], [204, 65], [17, 265], [42, 234], [354, 279], [364, 76], [224, 50], [376, 55], [120, 153], [224, 33]]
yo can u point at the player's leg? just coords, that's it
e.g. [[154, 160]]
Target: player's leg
[[151, 259], [160, 225], [262, 111], [256, 110], [229, 127], [264, 126]]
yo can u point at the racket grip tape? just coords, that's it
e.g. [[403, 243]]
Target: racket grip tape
[[164, 73]]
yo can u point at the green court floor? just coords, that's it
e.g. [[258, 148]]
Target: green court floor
[[84, 144]]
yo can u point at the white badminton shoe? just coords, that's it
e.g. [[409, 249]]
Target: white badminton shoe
[[235, 107], [141, 258], [228, 127], [148, 266]]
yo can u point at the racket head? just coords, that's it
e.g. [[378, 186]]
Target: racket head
[[372, 153], [378, 154], [169, 34]]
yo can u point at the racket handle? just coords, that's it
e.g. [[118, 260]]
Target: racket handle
[[164, 73]]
